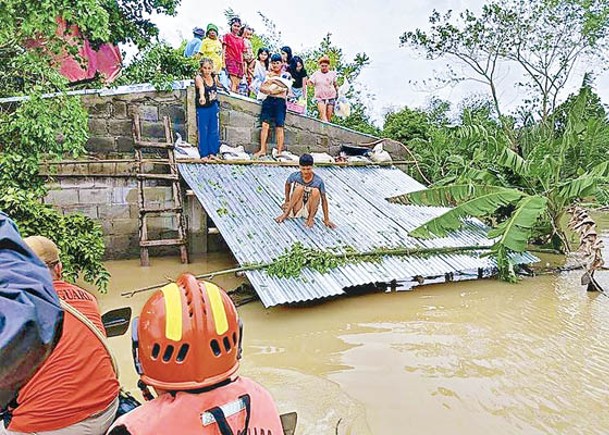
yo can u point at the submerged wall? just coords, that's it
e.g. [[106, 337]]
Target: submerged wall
[[103, 184]]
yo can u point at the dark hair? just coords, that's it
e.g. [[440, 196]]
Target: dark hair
[[305, 160], [288, 51], [268, 57], [276, 57], [294, 63]]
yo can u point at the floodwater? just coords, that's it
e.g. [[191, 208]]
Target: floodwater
[[470, 358]]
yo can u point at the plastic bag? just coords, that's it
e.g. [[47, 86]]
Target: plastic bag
[[224, 79], [379, 155], [342, 108]]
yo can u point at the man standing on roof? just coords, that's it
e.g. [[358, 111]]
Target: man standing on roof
[[194, 44], [75, 391], [303, 192], [187, 346]]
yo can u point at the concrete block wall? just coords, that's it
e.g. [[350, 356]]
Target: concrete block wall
[[240, 126], [107, 192], [111, 119]]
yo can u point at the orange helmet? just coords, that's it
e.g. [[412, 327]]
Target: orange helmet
[[187, 337]]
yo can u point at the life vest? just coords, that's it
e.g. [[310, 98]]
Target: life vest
[[228, 409]]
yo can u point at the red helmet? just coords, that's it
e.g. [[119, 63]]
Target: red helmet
[[187, 337]]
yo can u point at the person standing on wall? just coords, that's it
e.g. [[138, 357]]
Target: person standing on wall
[[211, 48], [276, 87], [75, 391], [187, 346], [208, 110], [234, 49], [193, 46], [326, 89]]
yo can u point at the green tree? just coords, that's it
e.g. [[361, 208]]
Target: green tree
[[39, 128], [407, 124], [161, 65], [543, 39]]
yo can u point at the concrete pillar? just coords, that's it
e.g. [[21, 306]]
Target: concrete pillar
[[197, 224]]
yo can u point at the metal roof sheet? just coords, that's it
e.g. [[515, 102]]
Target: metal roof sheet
[[243, 200]]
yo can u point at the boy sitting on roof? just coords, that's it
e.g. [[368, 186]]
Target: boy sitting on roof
[[303, 191]]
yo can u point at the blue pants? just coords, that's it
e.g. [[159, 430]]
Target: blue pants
[[209, 130]]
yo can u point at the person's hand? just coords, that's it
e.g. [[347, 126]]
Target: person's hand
[[284, 206], [328, 223], [202, 101], [310, 223], [279, 219]]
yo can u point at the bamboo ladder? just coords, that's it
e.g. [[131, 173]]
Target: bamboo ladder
[[172, 177]]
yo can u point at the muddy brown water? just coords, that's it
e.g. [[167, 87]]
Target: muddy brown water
[[474, 357]]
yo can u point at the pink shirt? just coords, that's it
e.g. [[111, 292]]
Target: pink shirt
[[324, 84]]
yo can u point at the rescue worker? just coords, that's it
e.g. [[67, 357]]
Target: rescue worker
[[187, 345], [29, 309], [75, 391]]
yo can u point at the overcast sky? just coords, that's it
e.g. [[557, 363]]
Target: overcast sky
[[356, 27]]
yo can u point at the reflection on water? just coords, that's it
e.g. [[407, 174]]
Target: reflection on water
[[463, 358]]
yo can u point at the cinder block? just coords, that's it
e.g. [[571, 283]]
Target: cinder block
[[149, 113], [124, 144], [60, 198], [99, 144], [124, 195], [120, 127], [125, 227], [236, 136], [153, 130], [98, 127], [113, 211], [95, 196], [175, 112], [119, 109], [101, 109], [87, 210]]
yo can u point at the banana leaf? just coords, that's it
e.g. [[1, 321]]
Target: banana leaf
[[447, 196], [487, 202], [515, 232]]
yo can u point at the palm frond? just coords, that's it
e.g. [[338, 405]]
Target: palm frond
[[481, 205], [515, 232]]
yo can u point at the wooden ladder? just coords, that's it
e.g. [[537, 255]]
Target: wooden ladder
[[172, 177]]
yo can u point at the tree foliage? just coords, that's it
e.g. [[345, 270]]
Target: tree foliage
[[544, 39], [161, 65], [39, 128]]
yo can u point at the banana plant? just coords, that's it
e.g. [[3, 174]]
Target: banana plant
[[532, 205]]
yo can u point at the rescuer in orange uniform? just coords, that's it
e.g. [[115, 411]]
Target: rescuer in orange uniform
[[187, 345], [75, 391]]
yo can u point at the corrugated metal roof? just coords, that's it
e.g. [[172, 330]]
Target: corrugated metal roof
[[243, 200]]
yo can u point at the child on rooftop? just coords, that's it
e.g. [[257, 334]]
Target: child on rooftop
[[248, 56], [211, 48], [260, 70], [234, 49]]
